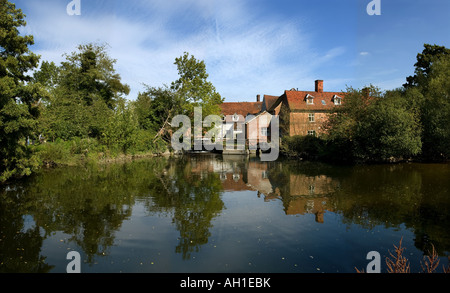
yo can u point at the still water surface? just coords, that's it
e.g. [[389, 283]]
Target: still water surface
[[223, 214]]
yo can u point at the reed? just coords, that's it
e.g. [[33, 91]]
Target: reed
[[397, 263]]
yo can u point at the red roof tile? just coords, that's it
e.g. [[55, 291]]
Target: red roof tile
[[269, 101], [296, 100], [241, 108]]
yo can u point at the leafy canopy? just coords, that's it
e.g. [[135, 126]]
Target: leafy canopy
[[18, 98]]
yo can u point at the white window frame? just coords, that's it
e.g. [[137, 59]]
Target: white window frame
[[311, 117], [337, 100], [264, 131], [235, 117], [309, 99], [312, 132]]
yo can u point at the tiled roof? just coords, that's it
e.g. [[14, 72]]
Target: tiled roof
[[296, 100], [241, 108], [268, 101]]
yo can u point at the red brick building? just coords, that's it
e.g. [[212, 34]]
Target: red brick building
[[300, 112], [304, 112]]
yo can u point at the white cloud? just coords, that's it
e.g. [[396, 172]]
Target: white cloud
[[244, 55], [363, 53]]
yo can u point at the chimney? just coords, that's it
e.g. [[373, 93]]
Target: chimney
[[319, 86], [365, 92], [257, 98]]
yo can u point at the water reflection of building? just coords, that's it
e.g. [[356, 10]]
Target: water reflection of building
[[301, 194], [309, 195]]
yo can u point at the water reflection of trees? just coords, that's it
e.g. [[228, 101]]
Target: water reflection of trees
[[193, 194], [413, 195], [20, 246], [90, 204]]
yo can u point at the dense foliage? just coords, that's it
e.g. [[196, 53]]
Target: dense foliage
[[412, 122], [18, 98], [87, 114], [78, 110]]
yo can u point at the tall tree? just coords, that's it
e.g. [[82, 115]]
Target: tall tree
[[120, 132], [374, 127], [192, 89], [436, 112], [18, 98], [431, 89], [90, 72], [429, 55], [84, 91]]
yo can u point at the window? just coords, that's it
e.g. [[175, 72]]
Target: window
[[312, 132], [324, 103], [235, 117], [311, 117], [309, 99], [223, 176], [264, 131], [337, 100]]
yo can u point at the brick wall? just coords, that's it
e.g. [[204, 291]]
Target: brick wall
[[300, 123]]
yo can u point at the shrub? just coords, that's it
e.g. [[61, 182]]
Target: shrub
[[56, 152], [307, 147]]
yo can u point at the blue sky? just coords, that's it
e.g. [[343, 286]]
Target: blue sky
[[250, 47]]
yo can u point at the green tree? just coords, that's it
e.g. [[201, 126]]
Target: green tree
[[192, 89], [47, 75], [429, 88], [343, 123], [84, 91], [121, 130], [429, 55], [18, 98], [163, 104], [390, 129], [436, 112], [375, 127], [90, 72]]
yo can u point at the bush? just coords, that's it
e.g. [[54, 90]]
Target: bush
[[306, 147], [85, 145], [58, 152], [145, 143]]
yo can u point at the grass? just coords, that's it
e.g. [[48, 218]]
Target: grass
[[80, 151]]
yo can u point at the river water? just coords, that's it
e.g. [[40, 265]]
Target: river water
[[230, 214]]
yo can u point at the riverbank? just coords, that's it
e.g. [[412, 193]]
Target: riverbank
[[99, 158], [312, 148], [84, 151]]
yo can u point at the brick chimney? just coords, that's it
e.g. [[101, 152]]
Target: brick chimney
[[319, 86], [258, 98], [365, 92]]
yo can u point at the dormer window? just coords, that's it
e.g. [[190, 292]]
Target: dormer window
[[337, 100], [309, 99], [235, 117]]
